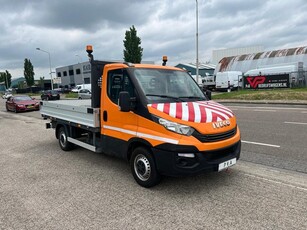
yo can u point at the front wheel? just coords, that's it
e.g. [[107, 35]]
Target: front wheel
[[64, 144], [143, 168]]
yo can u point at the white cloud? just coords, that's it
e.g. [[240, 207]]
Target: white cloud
[[64, 28]]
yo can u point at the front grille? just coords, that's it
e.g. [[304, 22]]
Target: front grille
[[214, 137], [221, 153]]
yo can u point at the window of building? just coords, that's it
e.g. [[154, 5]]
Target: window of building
[[59, 74], [78, 71], [65, 73], [71, 72], [87, 80]]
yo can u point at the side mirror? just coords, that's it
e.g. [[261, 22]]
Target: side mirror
[[124, 101]]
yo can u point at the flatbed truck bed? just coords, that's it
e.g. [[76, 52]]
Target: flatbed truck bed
[[75, 111]]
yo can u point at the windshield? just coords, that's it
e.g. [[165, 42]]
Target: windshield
[[168, 85]]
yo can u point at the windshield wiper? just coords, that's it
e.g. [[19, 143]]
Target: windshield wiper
[[164, 96], [194, 97]]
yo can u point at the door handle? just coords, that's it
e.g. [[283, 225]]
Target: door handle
[[105, 115]]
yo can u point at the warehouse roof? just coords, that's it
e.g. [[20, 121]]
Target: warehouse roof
[[253, 60]]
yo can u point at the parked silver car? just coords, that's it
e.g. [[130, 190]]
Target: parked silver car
[[84, 94]]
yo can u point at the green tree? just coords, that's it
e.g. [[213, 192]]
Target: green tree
[[7, 78], [29, 72], [133, 51]]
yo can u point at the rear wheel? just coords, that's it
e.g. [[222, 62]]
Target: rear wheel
[[143, 168], [64, 144]]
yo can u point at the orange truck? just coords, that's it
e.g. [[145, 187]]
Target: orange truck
[[155, 117]]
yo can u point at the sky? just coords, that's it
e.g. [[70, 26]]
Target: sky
[[63, 28]]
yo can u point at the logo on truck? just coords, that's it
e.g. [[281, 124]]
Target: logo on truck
[[221, 124]]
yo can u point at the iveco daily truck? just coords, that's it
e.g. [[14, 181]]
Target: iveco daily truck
[[155, 117]]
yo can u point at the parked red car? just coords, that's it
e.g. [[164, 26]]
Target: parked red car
[[21, 103]]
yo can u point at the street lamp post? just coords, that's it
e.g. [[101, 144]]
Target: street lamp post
[[49, 65], [197, 41]]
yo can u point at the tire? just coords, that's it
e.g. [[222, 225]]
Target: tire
[[64, 144], [143, 168]]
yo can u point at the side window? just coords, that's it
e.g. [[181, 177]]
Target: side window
[[118, 80]]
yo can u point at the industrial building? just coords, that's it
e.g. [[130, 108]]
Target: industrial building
[[251, 61], [204, 68], [219, 54], [73, 75], [266, 62]]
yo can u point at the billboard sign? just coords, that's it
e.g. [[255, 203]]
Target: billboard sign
[[267, 82]]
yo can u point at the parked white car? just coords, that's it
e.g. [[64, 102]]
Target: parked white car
[[84, 94], [79, 87], [7, 95]]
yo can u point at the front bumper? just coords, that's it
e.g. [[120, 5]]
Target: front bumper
[[169, 163], [26, 108]]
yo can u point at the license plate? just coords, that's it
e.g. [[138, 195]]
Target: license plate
[[30, 106], [227, 164]]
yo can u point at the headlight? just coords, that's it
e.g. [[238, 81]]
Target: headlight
[[175, 127]]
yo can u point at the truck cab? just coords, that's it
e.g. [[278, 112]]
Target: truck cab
[[155, 117]]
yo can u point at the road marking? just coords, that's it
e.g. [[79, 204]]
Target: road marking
[[276, 182], [258, 143], [264, 110], [295, 123]]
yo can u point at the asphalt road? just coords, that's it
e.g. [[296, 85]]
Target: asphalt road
[[42, 187], [273, 135]]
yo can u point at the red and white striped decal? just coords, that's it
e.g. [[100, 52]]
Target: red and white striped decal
[[199, 111]]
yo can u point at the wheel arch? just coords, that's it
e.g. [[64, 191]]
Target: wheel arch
[[57, 128], [135, 143]]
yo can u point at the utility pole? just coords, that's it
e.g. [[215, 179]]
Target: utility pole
[[197, 41]]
